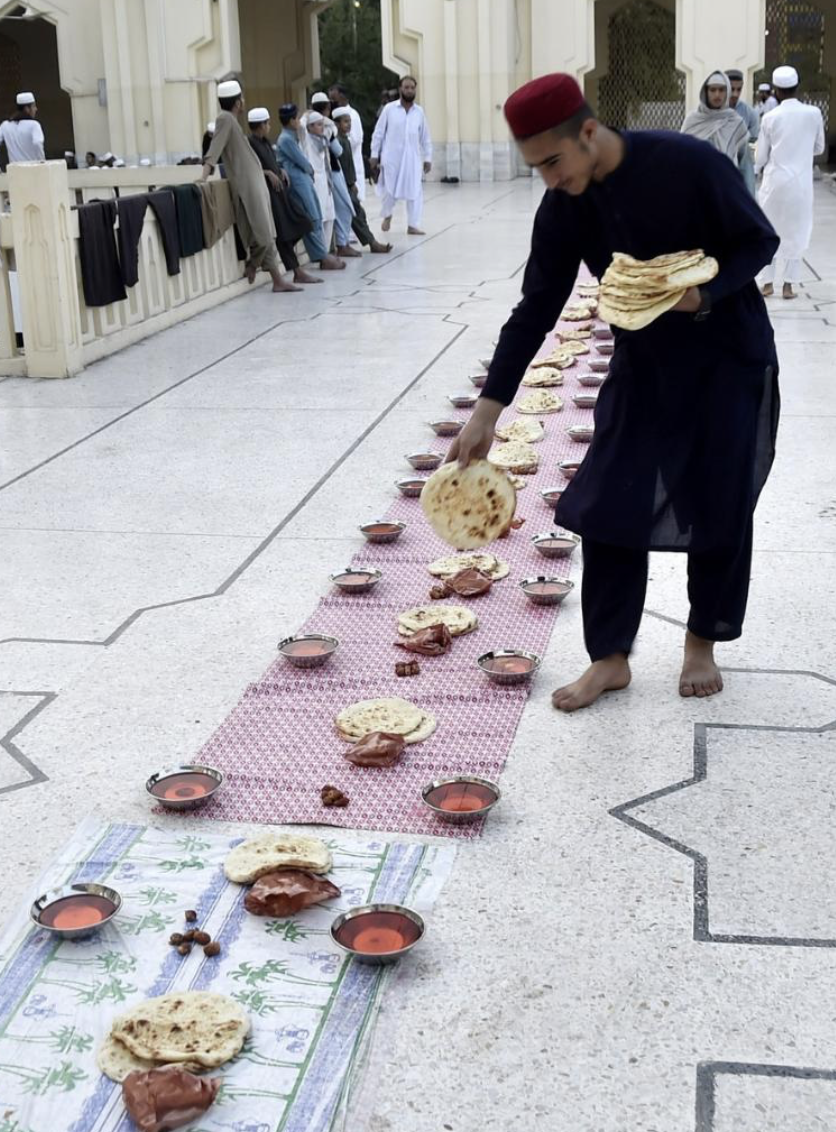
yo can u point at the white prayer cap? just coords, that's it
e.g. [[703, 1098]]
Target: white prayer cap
[[118, 163], [144, 161], [25, 98], [719, 78], [314, 116], [320, 96], [69, 153], [765, 86], [230, 89], [341, 112], [106, 156], [210, 127], [258, 114], [785, 78]]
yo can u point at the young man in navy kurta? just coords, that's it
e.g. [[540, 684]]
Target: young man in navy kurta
[[685, 424]]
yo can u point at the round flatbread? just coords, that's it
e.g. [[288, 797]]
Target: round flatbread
[[457, 619], [424, 729], [116, 1061], [184, 1026], [469, 507], [515, 456], [266, 852], [578, 348], [559, 358], [393, 715], [541, 401], [637, 320], [543, 378], [529, 432], [580, 315], [487, 564]]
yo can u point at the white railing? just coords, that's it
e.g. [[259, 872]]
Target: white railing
[[39, 238]]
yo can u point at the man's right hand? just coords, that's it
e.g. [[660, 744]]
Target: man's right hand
[[207, 172], [475, 440]]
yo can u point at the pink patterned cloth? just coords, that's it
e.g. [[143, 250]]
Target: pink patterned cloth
[[279, 746]]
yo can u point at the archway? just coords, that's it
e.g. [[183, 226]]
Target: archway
[[29, 61], [635, 83]]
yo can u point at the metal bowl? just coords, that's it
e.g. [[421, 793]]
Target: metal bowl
[[424, 461], [602, 332], [460, 817], [547, 599], [387, 957], [478, 379], [507, 678], [556, 551], [410, 486], [485, 363], [369, 532], [73, 890], [463, 400], [595, 380], [585, 400], [605, 348], [569, 468], [581, 434], [551, 495], [185, 803], [376, 575], [309, 661], [447, 428], [599, 365]]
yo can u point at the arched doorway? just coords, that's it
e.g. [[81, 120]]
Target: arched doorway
[[29, 61], [803, 35], [635, 84]]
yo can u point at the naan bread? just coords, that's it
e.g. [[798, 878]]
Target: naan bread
[[468, 507], [116, 1061], [393, 715], [639, 319], [541, 401], [529, 432], [268, 851], [518, 482], [457, 619], [184, 1026], [578, 348], [560, 358], [515, 456], [487, 564], [545, 376]]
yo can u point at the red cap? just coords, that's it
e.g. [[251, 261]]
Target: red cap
[[543, 104]]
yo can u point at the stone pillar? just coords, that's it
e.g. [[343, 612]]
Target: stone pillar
[[562, 37], [44, 249], [718, 33]]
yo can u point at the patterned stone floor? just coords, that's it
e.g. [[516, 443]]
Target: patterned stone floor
[[645, 937]]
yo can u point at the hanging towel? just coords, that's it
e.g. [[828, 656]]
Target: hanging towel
[[162, 205], [101, 277], [131, 218], [216, 208]]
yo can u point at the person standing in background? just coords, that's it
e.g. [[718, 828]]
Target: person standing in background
[[766, 99], [292, 159], [715, 122], [359, 223], [338, 94], [791, 136], [400, 142], [753, 123], [22, 134]]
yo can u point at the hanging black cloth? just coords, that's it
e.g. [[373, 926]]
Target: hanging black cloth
[[101, 277], [131, 218], [292, 222], [162, 205], [189, 219]]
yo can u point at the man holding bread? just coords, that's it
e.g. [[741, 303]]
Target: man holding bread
[[685, 425]]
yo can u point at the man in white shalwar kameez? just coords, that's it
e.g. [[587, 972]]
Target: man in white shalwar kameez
[[791, 136], [402, 150]]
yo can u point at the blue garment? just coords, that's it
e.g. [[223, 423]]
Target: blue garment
[[685, 423], [343, 208], [300, 171]]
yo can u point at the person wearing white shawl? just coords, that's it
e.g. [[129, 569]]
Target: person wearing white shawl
[[315, 147], [715, 122]]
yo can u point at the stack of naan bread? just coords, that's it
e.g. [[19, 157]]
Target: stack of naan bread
[[515, 456], [636, 292], [392, 715], [529, 432], [195, 1030]]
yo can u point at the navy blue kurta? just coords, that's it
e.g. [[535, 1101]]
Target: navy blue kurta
[[685, 424]]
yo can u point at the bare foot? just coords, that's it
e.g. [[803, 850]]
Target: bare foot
[[331, 263], [347, 252], [415, 232], [767, 290], [608, 675], [280, 285], [301, 276], [700, 675], [788, 291], [387, 223], [380, 249]]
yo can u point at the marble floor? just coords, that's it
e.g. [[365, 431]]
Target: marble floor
[[645, 937]]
